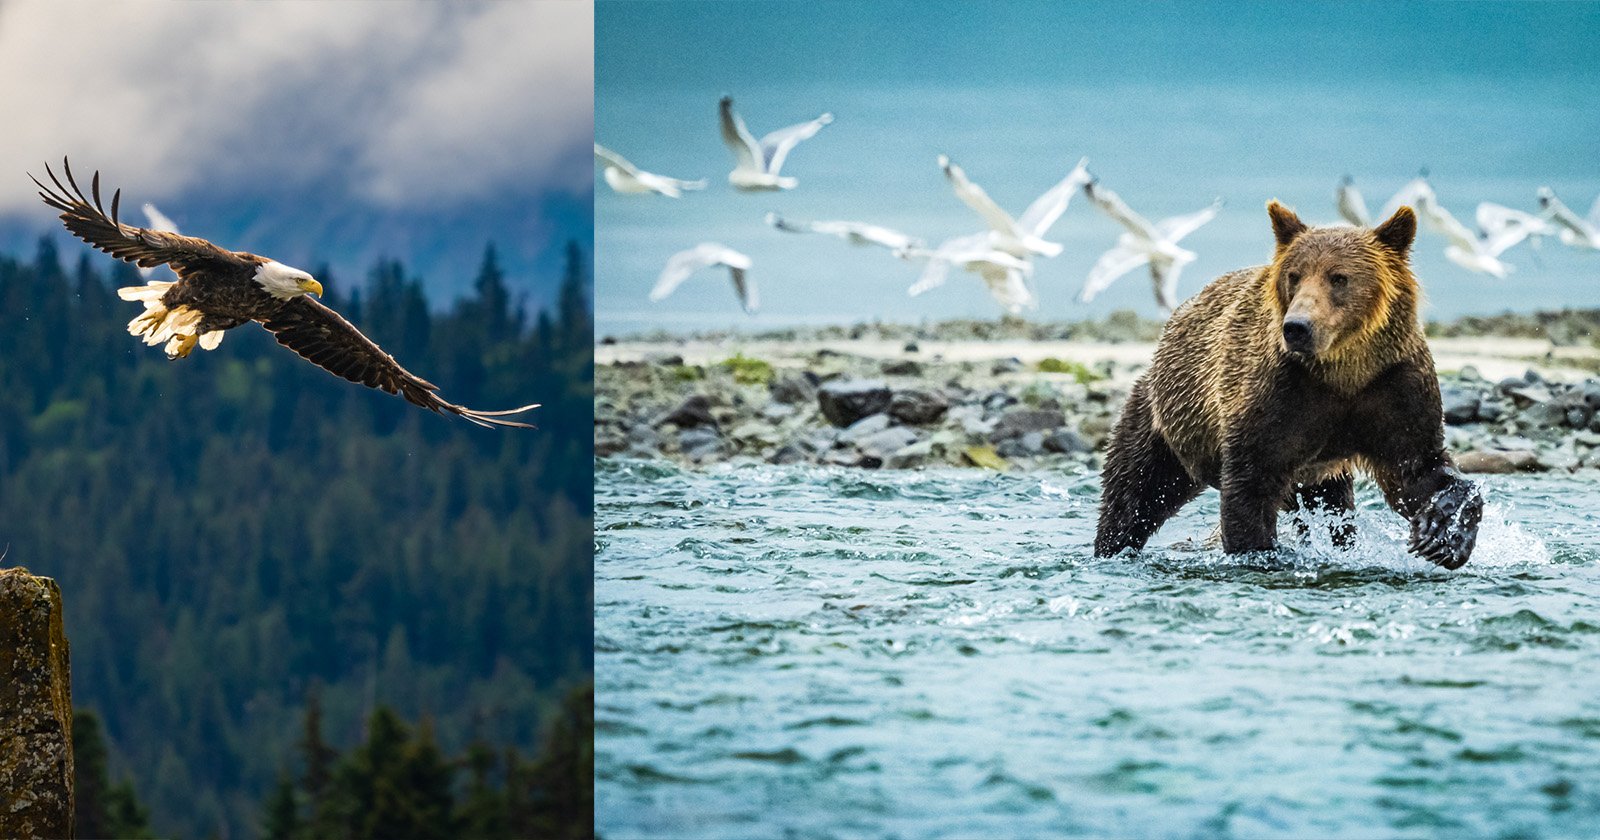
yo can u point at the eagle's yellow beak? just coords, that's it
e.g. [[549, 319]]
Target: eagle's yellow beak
[[311, 286]]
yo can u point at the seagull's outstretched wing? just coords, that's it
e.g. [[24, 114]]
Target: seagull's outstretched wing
[[860, 232], [1412, 192], [933, 275], [775, 147], [854, 232], [1175, 228], [706, 254], [324, 338], [974, 196], [1009, 287], [1504, 227], [966, 251], [1352, 207], [1111, 265], [1164, 273], [1559, 212], [610, 158], [158, 221], [1495, 220], [738, 139], [1112, 205], [745, 287], [1443, 222], [1048, 207], [143, 247]]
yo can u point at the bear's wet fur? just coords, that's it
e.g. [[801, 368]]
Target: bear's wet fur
[[1275, 383]]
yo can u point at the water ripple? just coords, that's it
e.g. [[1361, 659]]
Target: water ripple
[[819, 653]]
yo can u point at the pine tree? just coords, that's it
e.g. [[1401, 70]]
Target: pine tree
[[573, 308], [89, 769], [101, 808], [281, 820], [319, 759], [483, 814], [493, 306]]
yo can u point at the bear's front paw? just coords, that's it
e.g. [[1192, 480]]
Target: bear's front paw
[[1446, 532]]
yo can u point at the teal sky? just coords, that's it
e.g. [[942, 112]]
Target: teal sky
[[645, 44], [1174, 104]]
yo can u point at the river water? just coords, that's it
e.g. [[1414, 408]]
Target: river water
[[804, 652]]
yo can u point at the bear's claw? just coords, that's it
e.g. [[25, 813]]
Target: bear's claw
[[1446, 532]]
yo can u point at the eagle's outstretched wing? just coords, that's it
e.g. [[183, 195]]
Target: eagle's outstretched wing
[[144, 247], [324, 338]]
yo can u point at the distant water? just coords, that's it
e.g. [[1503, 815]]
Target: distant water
[[799, 652], [1168, 145]]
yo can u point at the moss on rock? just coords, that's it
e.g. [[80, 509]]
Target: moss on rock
[[35, 709]]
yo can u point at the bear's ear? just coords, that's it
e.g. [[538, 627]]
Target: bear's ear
[[1397, 233], [1285, 224]]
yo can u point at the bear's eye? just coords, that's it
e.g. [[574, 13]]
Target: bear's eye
[[1294, 278], [1338, 281]]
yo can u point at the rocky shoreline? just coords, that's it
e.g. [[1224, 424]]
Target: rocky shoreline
[[967, 403]]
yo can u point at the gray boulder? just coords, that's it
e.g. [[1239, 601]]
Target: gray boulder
[[1490, 461], [1027, 445], [882, 444], [1066, 442], [792, 389], [694, 412], [910, 456], [1492, 411], [1020, 421], [1460, 407], [918, 408], [700, 443], [1590, 390], [844, 402], [863, 428]]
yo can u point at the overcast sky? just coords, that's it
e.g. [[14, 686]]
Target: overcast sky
[[384, 108], [396, 100]]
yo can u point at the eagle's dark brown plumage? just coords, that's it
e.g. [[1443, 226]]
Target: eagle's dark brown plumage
[[219, 289]]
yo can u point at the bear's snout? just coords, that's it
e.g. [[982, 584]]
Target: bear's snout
[[1298, 335]]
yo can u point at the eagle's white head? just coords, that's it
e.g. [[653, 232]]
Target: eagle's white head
[[284, 282]]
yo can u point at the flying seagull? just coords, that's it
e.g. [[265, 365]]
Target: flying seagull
[[1353, 208], [1024, 236], [1005, 275], [218, 290], [856, 233], [1467, 249], [624, 177], [705, 255], [757, 163], [1143, 243], [1575, 230], [1409, 194], [1494, 219], [1351, 205]]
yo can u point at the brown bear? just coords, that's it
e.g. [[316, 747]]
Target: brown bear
[[1274, 383]]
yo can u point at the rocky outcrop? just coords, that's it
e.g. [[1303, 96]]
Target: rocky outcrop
[[35, 709], [837, 409]]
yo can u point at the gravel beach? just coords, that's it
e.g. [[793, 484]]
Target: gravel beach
[[1520, 393]]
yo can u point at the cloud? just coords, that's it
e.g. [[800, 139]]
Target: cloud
[[385, 102], [488, 109]]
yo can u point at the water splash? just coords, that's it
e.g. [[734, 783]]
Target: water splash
[[941, 653]]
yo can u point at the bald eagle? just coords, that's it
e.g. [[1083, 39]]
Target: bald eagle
[[218, 290]]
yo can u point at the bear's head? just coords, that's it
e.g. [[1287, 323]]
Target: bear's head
[[1334, 286]]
